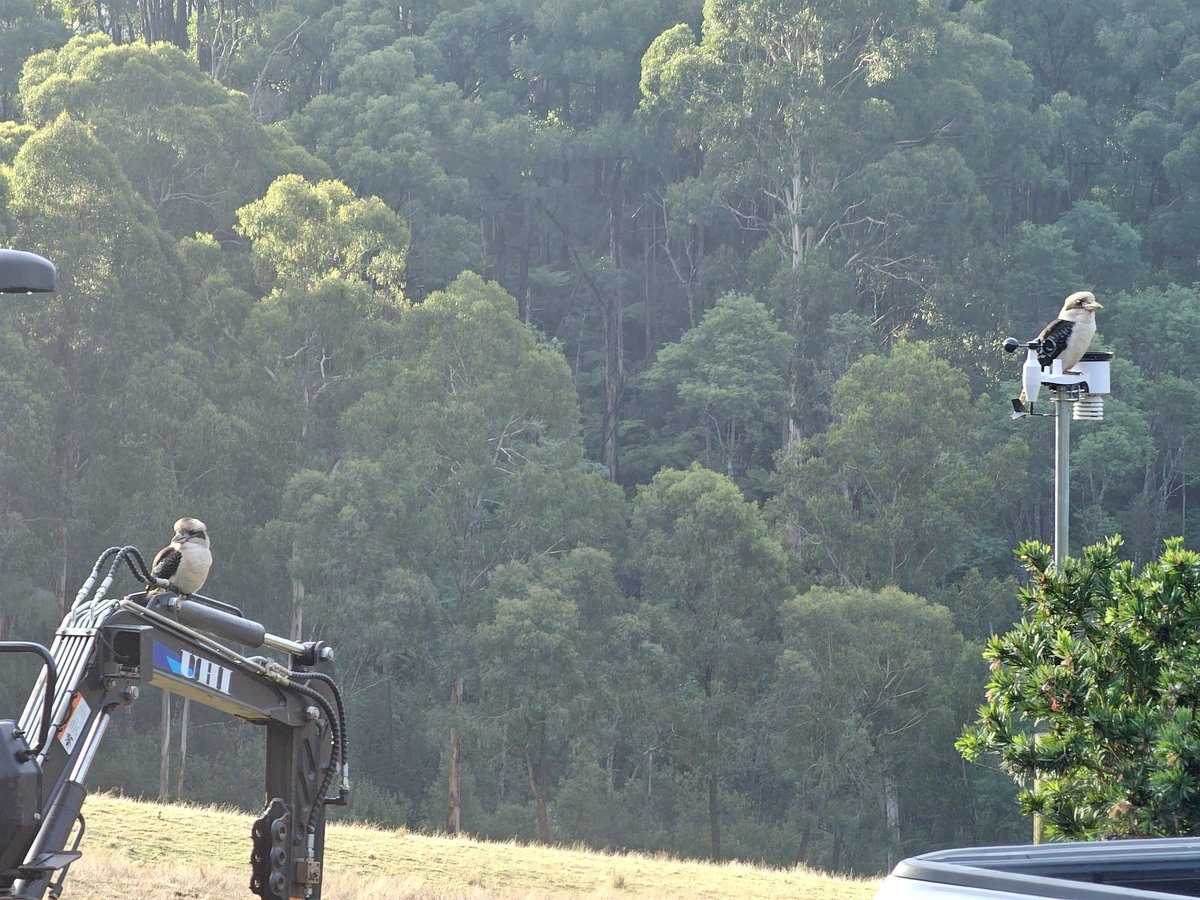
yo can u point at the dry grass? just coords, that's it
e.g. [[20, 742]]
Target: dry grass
[[150, 852]]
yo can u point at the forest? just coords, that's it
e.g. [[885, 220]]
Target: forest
[[616, 384]]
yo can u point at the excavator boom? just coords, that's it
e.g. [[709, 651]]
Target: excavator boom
[[103, 654]]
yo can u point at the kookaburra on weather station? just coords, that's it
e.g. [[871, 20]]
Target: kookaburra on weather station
[[185, 561], [1078, 380], [1067, 337]]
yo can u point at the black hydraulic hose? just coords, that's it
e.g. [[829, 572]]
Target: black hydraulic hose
[[90, 581], [112, 570], [47, 697], [127, 554], [338, 701], [137, 564], [337, 754]]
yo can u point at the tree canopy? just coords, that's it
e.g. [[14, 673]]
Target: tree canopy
[[1091, 701], [618, 386]]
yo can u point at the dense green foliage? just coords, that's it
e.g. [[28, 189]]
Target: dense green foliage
[[616, 384], [1103, 666]]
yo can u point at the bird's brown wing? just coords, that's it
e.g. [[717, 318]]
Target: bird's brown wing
[[166, 563], [1053, 341]]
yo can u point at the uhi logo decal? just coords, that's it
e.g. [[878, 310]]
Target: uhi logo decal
[[192, 667]]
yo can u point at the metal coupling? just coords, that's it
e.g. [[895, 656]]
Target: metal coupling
[[276, 672]]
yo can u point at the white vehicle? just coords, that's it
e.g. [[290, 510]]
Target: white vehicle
[[1167, 868]]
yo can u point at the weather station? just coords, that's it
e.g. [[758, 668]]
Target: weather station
[[1077, 379]]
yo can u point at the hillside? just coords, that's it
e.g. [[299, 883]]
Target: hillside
[[136, 849]]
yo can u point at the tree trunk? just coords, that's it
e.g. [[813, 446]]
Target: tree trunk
[[714, 821], [67, 454], [296, 629], [805, 838], [61, 586], [523, 298], [454, 787], [500, 779], [183, 738], [798, 242], [891, 805], [614, 327], [791, 428], [539, 799], [164, 758], [649, 269], [179, 30], [969, 792]]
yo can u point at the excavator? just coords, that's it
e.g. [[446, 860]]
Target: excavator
[[107, 649]]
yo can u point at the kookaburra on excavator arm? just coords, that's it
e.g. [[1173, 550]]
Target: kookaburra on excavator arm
[[105, 652]]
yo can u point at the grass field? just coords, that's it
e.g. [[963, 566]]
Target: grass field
[[151, 852]]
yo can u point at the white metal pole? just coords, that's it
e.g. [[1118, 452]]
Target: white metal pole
[[1062, 475]]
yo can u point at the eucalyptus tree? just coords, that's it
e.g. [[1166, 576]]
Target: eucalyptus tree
[[703, 556], [28, 29], [1148, 483], [725, 378], [800, 114], [118, 273], [1058, 40], [393, 131], [1154, 173], [335, 265], [504, 134], [136, 433], [793, 90], [891, 491], [188, 145], [1114, 82], [28, 389], [470, 430], [1109, 249], [532, 657], [573, 707], [863, 707]]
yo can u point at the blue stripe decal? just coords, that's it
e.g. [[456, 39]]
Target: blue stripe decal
[[165, 659]]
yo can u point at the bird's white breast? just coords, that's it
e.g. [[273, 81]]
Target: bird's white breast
[[194, 563], [1082, 332]]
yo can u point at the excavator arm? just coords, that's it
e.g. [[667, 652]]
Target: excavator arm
[[103, 654]]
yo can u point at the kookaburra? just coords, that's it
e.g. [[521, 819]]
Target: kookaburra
[[1068, 336], [185, 561]]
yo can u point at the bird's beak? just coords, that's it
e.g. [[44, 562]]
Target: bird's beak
[[181, 538], [1093, 305]]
